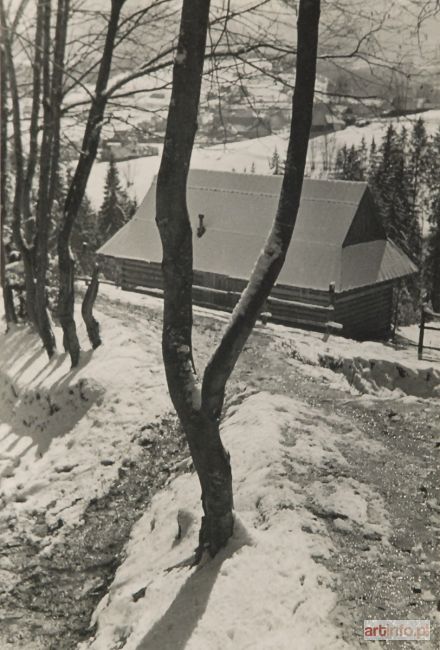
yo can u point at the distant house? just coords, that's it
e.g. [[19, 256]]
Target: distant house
[[127, 150], [246, 122], [340, 266], [324, 121]]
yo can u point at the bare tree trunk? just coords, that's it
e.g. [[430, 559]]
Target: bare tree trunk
[[33, 126], [210, 458], [75, 194], [199, 408], [43, 207], [57, 93], [271, 259], [49, 155], [18, 156], [8, 300], [92, 324]]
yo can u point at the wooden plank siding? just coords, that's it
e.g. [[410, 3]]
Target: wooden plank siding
[[364, 312]]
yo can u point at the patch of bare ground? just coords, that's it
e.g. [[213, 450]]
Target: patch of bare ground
[[47, 600]]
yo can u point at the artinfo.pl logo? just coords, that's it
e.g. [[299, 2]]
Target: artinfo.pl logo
[[397, 630]]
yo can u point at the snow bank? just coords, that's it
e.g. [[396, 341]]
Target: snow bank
[[266, 589], [376, 375], [64, 434], [369, 367]]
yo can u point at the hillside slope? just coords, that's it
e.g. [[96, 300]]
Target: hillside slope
[[324, 536]]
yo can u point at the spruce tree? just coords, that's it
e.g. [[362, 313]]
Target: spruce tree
[[275, 163], [433, 253], [432, 262], [363, 157], [349, 165], [85, 238], [117, 208], [341, 163], [372, 161], [381, 174], [390, 183]]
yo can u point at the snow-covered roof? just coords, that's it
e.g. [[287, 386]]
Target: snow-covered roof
[[337, 238]]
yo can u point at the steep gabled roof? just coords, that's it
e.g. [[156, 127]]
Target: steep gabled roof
[[238, 211]]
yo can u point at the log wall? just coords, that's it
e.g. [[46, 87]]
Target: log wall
[[364, 313]]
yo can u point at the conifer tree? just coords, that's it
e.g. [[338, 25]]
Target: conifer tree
[[349, 164], [432, 262], [117, 208], [433, 253], [372, 161], [363, 157], [341, 166], [275, 163], [85, 236], [391, 187]]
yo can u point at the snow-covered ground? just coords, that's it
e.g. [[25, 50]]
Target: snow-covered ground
[[252, 155], [371, 367], [138, 174], [265, 590], [66, 435]]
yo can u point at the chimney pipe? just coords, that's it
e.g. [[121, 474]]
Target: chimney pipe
[[201, 227]]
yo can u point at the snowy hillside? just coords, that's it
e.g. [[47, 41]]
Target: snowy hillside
[[252, 155], [309, 424]]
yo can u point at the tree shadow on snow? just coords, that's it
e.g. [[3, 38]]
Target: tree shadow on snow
[[175, 628], [42, 414]]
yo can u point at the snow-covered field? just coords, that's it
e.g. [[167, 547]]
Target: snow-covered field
[[255, 154], [66, 435]]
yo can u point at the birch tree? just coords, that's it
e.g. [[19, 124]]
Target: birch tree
[[199, 400]]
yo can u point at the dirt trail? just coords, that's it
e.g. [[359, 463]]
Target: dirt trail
[[51, 604]]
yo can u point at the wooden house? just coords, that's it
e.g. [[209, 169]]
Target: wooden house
[[340, 265]]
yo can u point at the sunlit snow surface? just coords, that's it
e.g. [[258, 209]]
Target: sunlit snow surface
[[268, 588]]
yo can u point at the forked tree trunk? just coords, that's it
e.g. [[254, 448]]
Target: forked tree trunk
[[76, 191], [202, 431], [199, 407], [90, 321]]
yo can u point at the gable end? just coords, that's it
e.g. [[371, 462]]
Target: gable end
[[366, 225]]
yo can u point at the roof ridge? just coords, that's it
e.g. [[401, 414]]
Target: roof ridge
[[252, 175], [229, 190], [273, 176]]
